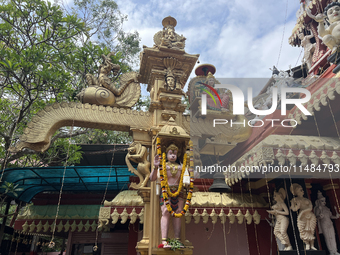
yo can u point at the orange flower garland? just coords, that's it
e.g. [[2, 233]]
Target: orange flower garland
[[165, 186], [165, 175]]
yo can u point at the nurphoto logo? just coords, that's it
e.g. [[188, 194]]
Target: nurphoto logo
[[238, 101]]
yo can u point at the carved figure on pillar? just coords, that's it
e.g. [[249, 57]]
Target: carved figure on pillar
[[325, 224], [172, 175], [306, 220], [170, 80], [138, 154], [279, 210]]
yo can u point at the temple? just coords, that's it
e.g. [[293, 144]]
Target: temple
[[211, 181]]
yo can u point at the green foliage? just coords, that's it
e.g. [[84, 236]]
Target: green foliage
[[10, 188], [45, 53], [175, 244]]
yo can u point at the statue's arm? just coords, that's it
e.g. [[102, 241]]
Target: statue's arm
[[309, 37], [284, 210], [334, 217], [322, 31], [153, 175]]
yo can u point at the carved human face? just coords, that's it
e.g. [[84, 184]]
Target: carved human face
[[299, 192], [171, 82], [301, 36], [333, 13], [172, 155], [211, 81], [323, 201], [277, 197]]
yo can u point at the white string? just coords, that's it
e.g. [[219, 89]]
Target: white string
[[283, 34], [62, 182]]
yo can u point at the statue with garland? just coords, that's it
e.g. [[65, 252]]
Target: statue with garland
[[174, 175]]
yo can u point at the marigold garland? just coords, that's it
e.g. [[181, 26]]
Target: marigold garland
[[165, 175], [165, 186]]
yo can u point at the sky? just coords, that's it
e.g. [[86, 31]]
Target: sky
[[242, 39]]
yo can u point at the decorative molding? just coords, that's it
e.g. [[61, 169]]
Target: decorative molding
[[330, 186]]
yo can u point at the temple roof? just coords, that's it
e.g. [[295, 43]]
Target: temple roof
[[34, 180], [199, 199]]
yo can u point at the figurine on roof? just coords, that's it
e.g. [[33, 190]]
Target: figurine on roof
[[168, 37], [308, 47], [331, 34]]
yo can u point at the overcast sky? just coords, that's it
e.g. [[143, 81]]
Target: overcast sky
[[241, 38]]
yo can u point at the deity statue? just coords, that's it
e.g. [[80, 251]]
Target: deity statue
[[103, 91], [168, 37], [173, 177], [279, 210], [331, 34], [224, 95], [104, 70], [308, 49], [171, 39], [306, 220], [325, 224]]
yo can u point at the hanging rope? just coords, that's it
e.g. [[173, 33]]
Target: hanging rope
[[270, 204], [291, 215], [95, 247], [283, 34], [52, 243], [330, 175], [252, 208], [245, 224], [224, 234], [297, 61]]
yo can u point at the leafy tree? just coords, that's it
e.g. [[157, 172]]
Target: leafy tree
[[45, 53]]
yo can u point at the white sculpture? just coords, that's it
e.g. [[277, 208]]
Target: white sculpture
[[279, 210], [331, 34], [325, 224], [308, 49], [306, 220]]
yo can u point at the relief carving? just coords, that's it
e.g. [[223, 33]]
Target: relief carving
[[103, 91]]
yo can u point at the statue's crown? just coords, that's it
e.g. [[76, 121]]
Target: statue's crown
[[320, 194], [210, 75]]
